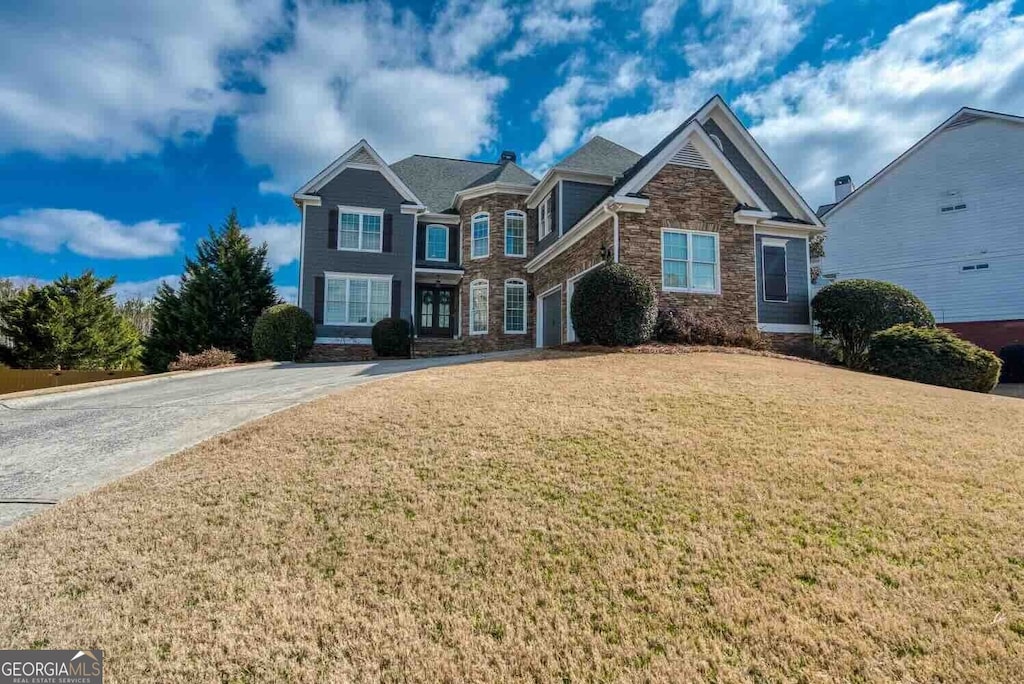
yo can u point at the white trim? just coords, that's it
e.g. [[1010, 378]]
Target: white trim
[[570, 290], [544, 211], [561, 209], [487, 318], [810, 287], [343, 340], [413, 209], [489, 189], [342, 162], [348, 278], [519, 214], [453, 271], [314, 200], [426, 242], [446, 219], [774, 242], [472, 237], [690, 256], [784, 328], [361, 212], [515, 282], [785, 230], [539, 342], [302, 251], [554, 175], [581, 228]]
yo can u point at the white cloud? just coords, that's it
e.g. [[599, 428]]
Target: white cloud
[[465, 29], [282, 241], [119, 78], [288, 293], [324, 93], [552, 22], [89, 234], [854, 116], [142, 289], [659, 16]]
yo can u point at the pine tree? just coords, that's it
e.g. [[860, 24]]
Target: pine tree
[[164, 341], [71, 323]]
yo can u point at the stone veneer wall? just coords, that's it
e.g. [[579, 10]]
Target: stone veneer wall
[[495, 269], [694, 199]]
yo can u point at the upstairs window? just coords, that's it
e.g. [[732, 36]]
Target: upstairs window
[[952, 202], [437, 243], [544, 217], [359, 230], [515, 234], [689, 261], [773, 270], [481, 236]]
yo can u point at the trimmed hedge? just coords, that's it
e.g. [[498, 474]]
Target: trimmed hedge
[[851, 311], [614, 305], [934, 356], [392, 337], [679, 326], [1012, 356], [283, 332]]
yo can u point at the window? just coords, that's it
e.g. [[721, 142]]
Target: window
[[773, 270], [544, 217], [975, 267], [356, 300], [952, 202], [515, 306], [359, 230], [478, 307], [515, 234], [481, 236], [689, 261], [437, 243]]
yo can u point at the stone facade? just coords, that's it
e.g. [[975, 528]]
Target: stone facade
[[324, 353], [793, 344], [694, 199]]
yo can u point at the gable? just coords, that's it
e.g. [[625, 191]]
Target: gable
[[359, 156]]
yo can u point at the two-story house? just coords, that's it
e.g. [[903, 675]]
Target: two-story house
[[484, 256], [944, 221]]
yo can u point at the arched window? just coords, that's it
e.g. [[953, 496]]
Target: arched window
[[478, 291], [515, 306], [515, 233], [437, 243], [481, 236]]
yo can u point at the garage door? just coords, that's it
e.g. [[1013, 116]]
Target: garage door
[[551, 321]]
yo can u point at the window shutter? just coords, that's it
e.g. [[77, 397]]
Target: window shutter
[[453, 243], [421, 243], [332, 230], [396, 298], [387, 239], [318, 299]]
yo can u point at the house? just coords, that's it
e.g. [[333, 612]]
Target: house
[[944, 221], [485, 256]]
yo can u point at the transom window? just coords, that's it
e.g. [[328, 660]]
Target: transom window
[[481, 236], [478, 307], [356, 300], [515, 234], [689, 261], [544, 217], [360, 230], [515, 306], [437, 243], [773, 270]]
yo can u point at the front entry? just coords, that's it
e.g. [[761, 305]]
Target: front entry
[[435, 316], [551, 319]]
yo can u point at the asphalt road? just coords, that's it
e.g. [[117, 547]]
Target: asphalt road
[[56, 446]]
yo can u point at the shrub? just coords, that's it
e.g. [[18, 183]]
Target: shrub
[[614, 305], [851, 311], [208, 358], [1012, 356], [679, 326], [391, 337], [934, 356], [284, 332]]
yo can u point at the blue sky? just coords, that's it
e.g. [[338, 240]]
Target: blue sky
[[127, 128]]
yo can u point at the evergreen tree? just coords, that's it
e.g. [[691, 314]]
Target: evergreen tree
[[72, 323], [164, 341]]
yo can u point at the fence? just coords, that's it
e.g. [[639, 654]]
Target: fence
[[12, 380]]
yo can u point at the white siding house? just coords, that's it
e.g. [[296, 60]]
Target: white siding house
[[946, 221]]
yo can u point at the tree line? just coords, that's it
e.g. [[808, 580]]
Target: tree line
[[77, 323]]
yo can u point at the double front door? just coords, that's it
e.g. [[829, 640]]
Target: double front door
[[435, 311]]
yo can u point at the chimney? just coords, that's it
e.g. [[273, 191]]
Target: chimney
[[844, 186], [507, 156]]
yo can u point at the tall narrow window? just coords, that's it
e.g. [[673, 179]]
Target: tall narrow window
[[689, 261], [360, 230], [544, 217], [481, 236], [437, 243], [773, 270], [515, 234], [515, 306], [478, 307]]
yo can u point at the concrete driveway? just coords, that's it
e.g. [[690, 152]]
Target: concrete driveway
[[56, 446]]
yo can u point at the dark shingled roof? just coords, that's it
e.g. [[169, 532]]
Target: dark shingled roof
[[435, 180], [601, 156], [824, 208]]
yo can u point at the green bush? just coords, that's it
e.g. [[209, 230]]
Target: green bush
[[392, 337], [679, 326], [284, 332], [1012, 356], [851, 311], [934, 356], [614, 305]]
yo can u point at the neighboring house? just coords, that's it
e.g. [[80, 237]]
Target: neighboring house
[[483, 256], [944, 221]]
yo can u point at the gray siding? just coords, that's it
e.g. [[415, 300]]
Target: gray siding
[[453, 246], [578, 199], [550, 238], [795, 311], [360, 188], [744, 168]]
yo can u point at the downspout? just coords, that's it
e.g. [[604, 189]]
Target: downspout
[[615, 229]]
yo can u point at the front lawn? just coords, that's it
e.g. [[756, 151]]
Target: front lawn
[[569, 518]]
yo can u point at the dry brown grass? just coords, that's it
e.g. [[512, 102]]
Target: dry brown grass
[[614, 518]]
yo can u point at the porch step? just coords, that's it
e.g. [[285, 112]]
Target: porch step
[[431, 346]]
